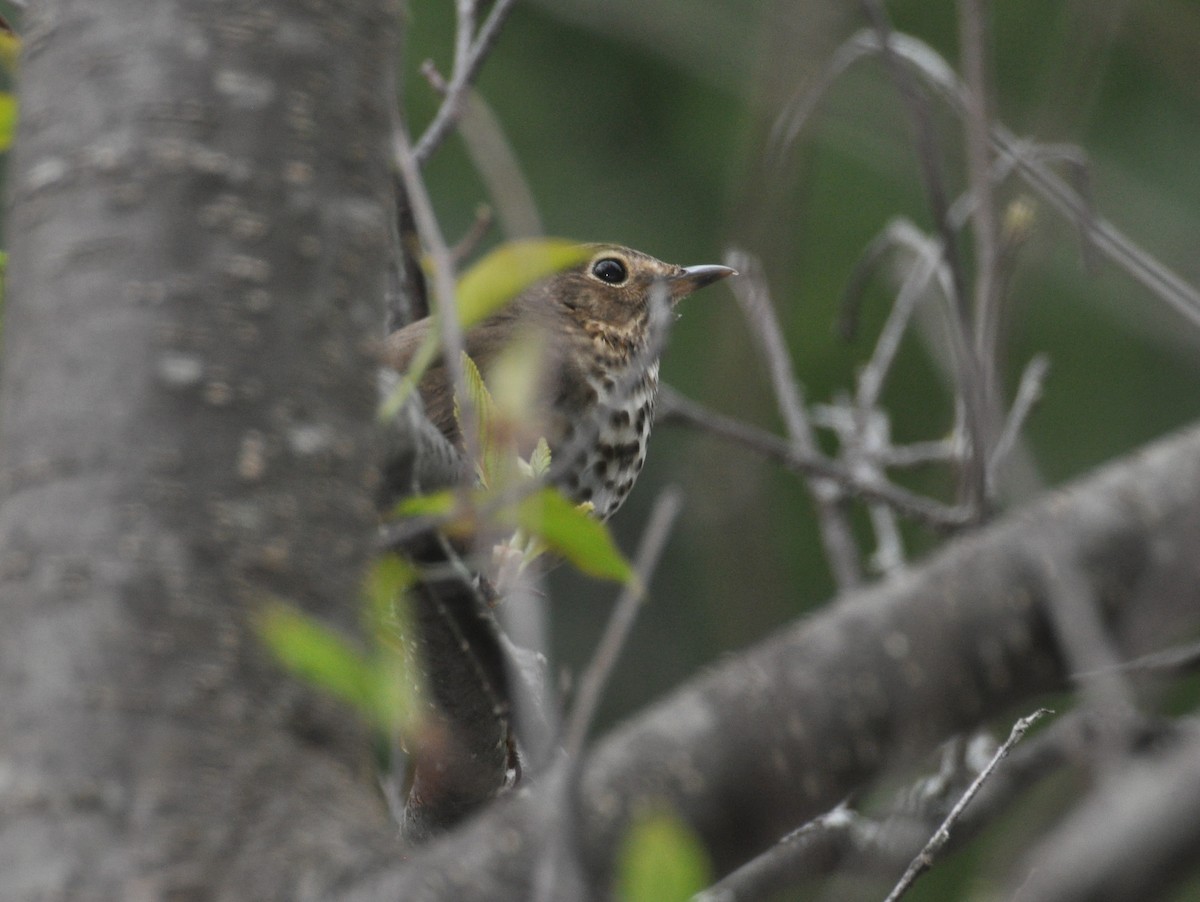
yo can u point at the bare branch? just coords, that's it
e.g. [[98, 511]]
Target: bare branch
[[753, 295], [977, 118], [494, 160], [673, 406], [929, 264], [468, 60], [600, 668], [1032, 168], [847, 694], [595, 676], [928, 155], [1029, 392], [468, 243], [1134, 838], [441, 262], [846, 840], [924, 860]]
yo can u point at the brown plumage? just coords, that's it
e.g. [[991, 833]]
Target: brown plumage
[[590, 324]]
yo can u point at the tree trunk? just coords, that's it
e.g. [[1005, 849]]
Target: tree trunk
[[199, 225]]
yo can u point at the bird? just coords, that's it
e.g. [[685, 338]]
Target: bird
[[591, 325]]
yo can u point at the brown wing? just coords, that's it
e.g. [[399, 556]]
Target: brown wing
[[399, 349], [482, 344]]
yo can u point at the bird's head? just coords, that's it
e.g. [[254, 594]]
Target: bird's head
[[614, 286]]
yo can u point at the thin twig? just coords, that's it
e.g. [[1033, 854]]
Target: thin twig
[[464, 30], [1030, 166], [673, 406], [924, 859], [929, 263], [920, 454], [441, 262], [1179, 659], [1103, 236], [844, 840], [989, 301], [466, 69], [972, 26], [783, 864], [836, 535], [1029, 392], [494, 160], [616, 632], [1087, 644], [469, 242], [557, 863], [928, 156], [864, 435]]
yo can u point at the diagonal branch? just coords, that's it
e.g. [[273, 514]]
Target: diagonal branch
[[674, 407], [468, 60], [836, 534], [827, 705]]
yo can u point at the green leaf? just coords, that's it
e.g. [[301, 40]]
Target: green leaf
[[8, 119], [10, 47], [485, 288], [320, 656], [386, 581], [397, 683], [491, 464], [662, 860], [435, 504], [382, 686], [572, 533], [501, 275], [539, 460]]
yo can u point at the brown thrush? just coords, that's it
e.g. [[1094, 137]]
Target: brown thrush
[[591, 324]]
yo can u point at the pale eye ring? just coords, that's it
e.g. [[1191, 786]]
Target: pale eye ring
[[610, 270]]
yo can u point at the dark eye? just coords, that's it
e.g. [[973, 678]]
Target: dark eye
[[610, 270]]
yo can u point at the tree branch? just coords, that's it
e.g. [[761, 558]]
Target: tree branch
[[826, 705]]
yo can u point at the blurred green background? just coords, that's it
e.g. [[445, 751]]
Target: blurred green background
[[645, 123]]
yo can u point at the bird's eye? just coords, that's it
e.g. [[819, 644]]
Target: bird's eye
[[610, 270]]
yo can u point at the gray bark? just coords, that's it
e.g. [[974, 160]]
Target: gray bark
[[198, 234]]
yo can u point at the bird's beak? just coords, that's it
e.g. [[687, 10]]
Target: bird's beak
[[693, 278]]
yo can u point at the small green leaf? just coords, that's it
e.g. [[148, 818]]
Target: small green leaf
[[10, 47], [539, 460], [572, 533], [397, 675], [501, 275], [320, 656], [490, 468], [662, 860], [435, 504], [382, 686], [8, 120], [386, 581]]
